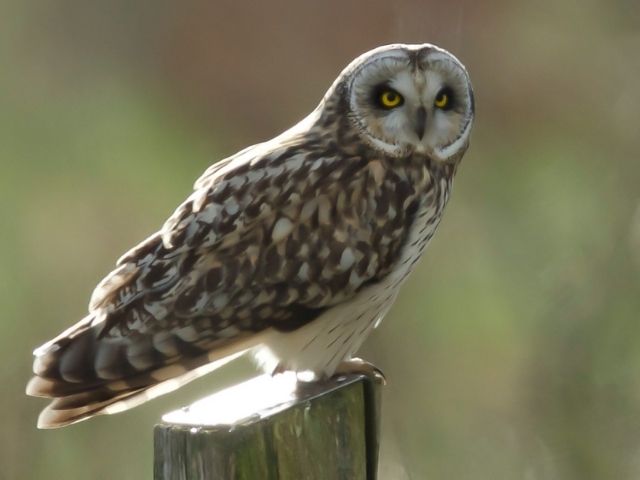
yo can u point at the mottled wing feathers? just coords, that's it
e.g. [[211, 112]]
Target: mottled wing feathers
[[287, 229], [265, 240]]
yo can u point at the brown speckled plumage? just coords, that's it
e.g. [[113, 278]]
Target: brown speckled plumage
[[272, 241]]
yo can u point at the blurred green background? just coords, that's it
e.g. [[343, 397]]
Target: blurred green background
[[514, 350]]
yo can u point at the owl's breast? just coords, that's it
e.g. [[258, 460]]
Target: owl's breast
[[423, 227]]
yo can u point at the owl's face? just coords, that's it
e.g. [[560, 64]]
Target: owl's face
[[411, 99]]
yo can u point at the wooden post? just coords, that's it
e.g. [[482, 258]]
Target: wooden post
[[274, 429]]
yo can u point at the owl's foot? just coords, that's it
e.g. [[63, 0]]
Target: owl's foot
[[358, 365], [353, 366]]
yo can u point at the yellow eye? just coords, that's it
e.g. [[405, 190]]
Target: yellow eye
[[390, 99], [443, 99]]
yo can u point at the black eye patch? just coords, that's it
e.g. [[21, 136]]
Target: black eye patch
[[386, 98], [445, 99]]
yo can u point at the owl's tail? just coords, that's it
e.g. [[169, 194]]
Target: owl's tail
[[86, 374]]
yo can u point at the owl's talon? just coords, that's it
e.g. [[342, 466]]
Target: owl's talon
[[360, 366]]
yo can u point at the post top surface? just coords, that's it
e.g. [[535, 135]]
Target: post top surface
[[255, 399]]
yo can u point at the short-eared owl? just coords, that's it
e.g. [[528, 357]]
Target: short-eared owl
[[294, 248]]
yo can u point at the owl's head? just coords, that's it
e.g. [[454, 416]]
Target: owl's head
[[409, 99]]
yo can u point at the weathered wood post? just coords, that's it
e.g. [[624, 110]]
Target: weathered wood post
[[275, 429]]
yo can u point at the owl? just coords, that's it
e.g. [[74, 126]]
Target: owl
[[292, 249]]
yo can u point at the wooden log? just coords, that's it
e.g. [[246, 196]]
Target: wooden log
[[273, 428]]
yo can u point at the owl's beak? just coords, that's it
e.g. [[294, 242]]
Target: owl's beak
[[421, 122]]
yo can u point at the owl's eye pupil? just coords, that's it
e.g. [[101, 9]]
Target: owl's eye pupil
[[389, 98]]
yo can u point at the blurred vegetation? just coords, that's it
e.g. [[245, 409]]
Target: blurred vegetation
[[513, 352]]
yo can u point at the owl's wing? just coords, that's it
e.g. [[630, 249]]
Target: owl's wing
[[267, 240]]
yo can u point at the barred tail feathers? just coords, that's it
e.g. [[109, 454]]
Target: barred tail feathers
[[86, 375]]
